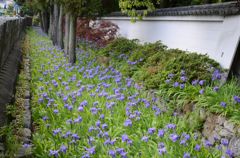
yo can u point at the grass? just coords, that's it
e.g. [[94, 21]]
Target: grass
[[87, 110]]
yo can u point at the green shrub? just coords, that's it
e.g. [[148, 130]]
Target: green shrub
[[158, 66], [146, 50], [195, 65], [120, 46]]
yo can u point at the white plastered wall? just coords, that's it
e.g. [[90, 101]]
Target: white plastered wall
[[216, 36]]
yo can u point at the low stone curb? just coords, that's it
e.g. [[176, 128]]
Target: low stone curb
[[25, 151]]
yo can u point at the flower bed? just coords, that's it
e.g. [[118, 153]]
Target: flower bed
[[89, 110]]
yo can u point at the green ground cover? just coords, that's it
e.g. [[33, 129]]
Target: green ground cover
[[89, 110]]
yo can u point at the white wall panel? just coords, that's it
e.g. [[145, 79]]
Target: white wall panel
[[216, 36]]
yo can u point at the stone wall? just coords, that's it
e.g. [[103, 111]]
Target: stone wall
[[11, 33], [217, 128]]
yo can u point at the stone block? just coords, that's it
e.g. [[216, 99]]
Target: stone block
[[234, 146], [26, 132], [229, 126], [225, 133]]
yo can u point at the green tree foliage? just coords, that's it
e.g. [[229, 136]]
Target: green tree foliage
[[130, 7]]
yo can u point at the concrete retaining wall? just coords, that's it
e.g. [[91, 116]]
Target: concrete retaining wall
[[11, 33]]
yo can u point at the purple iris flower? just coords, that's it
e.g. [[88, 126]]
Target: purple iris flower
[[63, 149], [80, 108], [75, 136], [183, 142], [104, 126], [65, 98], [229, 153], [55, 111], [184, 78], [161, 133], [54, 153], [120, 150], [186, 155], [171, 126], [201, 82], [223, 104], [170, 75], [128, 123], [224, 142], [145, 138], [197, 147], [70, 107], [25, 145], [208, 143], [161, 148], [90, 129], [84, 103], [201, 91], [194, 82], [45, 118], [182, 85], [151, 130], [69, 121], [176, 84], [91, 150], [237, 99], [67, 134], [174, 137], [56, 131], [78, 120], [86, 156], [112, 153], [168, 81], [94, 111], [125, 138]]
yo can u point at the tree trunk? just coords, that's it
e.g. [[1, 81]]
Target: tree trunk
[[72, 39], [55, 22], [50, 31], [67, 27], [60, 28], [41, 20], [44, 21]]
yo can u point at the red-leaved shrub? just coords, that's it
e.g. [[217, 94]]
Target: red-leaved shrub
[[100, 32]]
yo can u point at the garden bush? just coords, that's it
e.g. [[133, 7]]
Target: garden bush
[[100, 32], [151, 63], [120, 46]]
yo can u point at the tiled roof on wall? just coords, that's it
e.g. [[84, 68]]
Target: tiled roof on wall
[[222, 9]]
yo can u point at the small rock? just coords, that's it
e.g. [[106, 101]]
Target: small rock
[[27, 119], [229, 126], [24, 153], [27, 140], [234, 146], [213, 137], [26, 133], [202, 114], [27, 95], [220, 120], [225, 133], [27, 104], [238, 130], [218, 128], [209, 125]]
